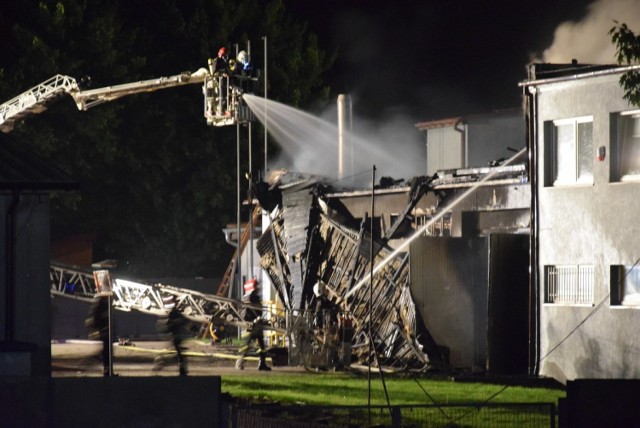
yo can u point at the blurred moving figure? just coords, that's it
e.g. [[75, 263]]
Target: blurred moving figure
[[173, 324], [98, 325], [255, 332]]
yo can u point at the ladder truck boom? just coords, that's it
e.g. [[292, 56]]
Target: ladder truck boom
[[217, 91], [90, 98], [35, 100]]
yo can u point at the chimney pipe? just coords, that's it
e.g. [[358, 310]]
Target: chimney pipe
[[341, 125]]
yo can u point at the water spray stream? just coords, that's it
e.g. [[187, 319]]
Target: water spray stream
[[422, 229], [310, 144]]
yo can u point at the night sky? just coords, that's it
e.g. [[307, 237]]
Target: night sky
[[424, 60]]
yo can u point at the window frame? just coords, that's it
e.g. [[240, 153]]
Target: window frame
[[624, 294], [552, 173], [617, 142]]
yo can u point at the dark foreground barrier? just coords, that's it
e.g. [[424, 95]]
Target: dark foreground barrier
[[603, 403], [169, 401]]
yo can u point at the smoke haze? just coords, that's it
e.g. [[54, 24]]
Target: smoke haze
[[588, 41], [310, 144]]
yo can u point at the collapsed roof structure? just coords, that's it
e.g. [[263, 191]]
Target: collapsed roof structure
[[312, 238]]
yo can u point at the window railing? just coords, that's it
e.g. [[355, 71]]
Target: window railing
[[569, 284]]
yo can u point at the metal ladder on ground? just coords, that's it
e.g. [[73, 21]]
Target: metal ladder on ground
[[79, 284]]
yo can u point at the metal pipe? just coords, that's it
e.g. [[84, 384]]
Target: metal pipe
[[238, 253], [351, 171], [266, 118], [341, 122], [250, 197], [534, 285], [371, 263]]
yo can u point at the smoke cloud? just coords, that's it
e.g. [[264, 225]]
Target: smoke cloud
[[588, 41]]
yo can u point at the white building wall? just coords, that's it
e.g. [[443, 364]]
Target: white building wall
[[445, 149], [587, 224]]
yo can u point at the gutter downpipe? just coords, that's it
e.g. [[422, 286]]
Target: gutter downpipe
[[463, 141], [10, 276], [534, 285]]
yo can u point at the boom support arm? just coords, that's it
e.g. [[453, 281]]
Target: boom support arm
[[35, 100], [90, 98]]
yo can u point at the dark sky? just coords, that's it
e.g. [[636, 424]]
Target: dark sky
[[427, 60]]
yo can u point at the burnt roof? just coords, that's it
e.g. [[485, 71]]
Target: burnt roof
[[22, 170]]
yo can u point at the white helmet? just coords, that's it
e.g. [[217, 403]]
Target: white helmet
[[318, 289], [242, 57]]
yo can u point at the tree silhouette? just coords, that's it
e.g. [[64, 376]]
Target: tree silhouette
[[627, 53], [157, 183]]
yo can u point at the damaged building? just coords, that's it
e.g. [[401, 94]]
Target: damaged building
[[447, 255]]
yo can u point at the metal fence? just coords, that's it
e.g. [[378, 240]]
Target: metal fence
[[427, 415]]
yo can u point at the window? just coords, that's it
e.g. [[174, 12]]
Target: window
[[625, 146], [568, 284], [439, 227], [625, 285], [570, 151]]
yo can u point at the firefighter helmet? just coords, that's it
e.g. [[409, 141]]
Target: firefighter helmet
[[318, 289], [242, 57]]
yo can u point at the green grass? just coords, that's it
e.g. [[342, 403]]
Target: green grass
[[352, 390]]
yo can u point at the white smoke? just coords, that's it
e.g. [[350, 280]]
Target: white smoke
[[588, 41]]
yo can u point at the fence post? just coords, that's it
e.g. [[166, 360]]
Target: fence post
[[396, 417], [233, 416]]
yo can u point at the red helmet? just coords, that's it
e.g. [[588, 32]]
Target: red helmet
[[250, 286], [222, 52]]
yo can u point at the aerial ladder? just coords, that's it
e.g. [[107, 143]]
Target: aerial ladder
[[81, 284], [214, 88]]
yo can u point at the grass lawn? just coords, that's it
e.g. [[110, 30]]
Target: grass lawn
[[342, 388]]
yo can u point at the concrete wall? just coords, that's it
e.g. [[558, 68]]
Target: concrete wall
[[449, 283], [29, 307], [472, 294], [589, 224]]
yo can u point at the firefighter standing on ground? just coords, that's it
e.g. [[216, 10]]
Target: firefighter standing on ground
[[255, 331], [98, 324], [174, 324]]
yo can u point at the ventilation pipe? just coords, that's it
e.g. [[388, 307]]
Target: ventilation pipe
[[341, 125]]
